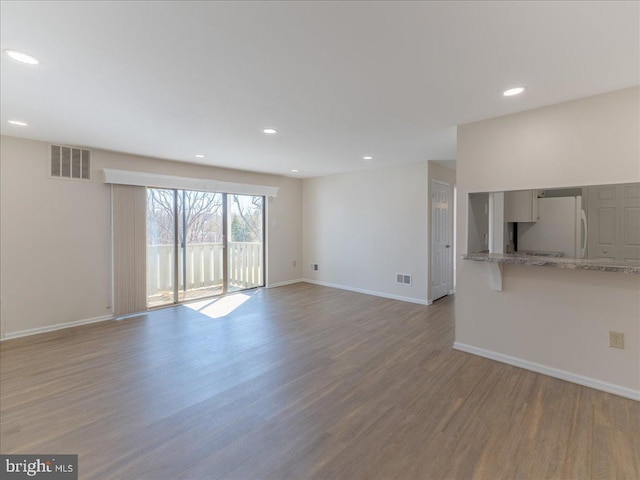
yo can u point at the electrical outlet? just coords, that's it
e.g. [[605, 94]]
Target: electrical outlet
[[313, 267], [616, 339], [295, 263]]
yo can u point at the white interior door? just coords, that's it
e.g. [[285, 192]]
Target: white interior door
[[441, 244]]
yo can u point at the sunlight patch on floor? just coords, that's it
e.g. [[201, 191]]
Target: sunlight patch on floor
[[219, 307]]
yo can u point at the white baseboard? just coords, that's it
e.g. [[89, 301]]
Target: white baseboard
[[286, 282], [552, 372], [370, 292], [52, 328], [146, 312]]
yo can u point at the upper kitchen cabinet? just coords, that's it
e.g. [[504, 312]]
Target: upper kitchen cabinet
[[521, 206]]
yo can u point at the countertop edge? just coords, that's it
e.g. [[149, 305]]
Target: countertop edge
[[555, 262]]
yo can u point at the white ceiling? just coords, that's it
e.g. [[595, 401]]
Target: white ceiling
[[339, 80]]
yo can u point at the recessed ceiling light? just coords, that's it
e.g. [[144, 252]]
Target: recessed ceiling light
[[367, 158], [270, 130], [22, 57], [514, 91], [197, 155], [18, 123], [294, 170]]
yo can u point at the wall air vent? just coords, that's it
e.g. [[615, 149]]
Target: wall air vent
[[403, 279], [70, 162]]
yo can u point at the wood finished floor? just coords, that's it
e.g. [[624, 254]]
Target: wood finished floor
[[302, 382]]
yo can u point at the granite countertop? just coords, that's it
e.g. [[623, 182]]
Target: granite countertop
[[531, 253], [621, 266]]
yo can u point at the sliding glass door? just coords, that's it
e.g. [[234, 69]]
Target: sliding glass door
[[246, 245], [200, 237], [187, 235], [161, 247]]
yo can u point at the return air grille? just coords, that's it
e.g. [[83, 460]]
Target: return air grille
[[403, 278], [70, 162]]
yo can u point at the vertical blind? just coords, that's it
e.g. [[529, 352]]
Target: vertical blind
[[129, 249]]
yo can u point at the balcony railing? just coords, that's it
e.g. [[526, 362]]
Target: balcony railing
[[204, 266]]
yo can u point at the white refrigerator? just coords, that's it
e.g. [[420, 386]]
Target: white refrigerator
[[561, 227]]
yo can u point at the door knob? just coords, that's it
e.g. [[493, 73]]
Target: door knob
[[449, 246]]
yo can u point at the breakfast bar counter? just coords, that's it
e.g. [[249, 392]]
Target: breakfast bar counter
[[601, 265]]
